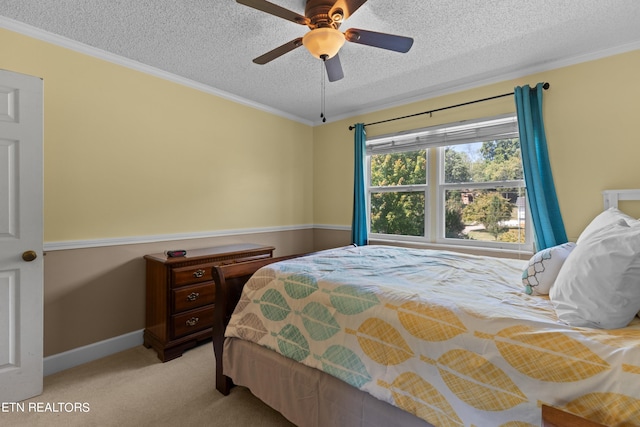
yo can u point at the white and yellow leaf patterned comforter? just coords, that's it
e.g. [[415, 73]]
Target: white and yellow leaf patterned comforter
[[451, 338]]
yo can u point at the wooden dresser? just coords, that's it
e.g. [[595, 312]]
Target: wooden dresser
[[181, 295]]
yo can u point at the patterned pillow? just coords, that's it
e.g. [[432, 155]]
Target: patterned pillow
[[544, 267]]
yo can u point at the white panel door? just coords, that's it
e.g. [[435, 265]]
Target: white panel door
[[21, 263]]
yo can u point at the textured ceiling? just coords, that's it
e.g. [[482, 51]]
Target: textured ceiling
[[458, 43]]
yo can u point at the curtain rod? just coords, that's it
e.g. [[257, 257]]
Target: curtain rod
[[544, 86]]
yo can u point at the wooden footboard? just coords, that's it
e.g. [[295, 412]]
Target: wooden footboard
[[230, 280]]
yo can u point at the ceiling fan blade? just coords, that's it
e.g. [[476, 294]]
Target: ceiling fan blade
[[279, 51], [381, 40], [334, 68], [348, 7], [276, 10]]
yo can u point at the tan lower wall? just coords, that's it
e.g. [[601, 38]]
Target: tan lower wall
[[330, 238], [94, 294]]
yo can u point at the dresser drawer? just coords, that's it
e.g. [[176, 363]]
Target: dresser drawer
[[192, 321], [189, 297], [192, 274]]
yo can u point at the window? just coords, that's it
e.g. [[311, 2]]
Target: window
[[460, 183]]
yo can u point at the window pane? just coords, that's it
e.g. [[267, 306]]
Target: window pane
[[405, 168], [397, 213], [496, 215], [497, 160]]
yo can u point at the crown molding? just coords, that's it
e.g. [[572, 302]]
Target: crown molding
[[39, 34], [479, 81], [447, 89]]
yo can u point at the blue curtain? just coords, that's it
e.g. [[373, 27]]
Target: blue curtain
[[359, 221], [541, 192]]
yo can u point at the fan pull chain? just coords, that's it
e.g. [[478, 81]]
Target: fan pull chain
[[322, 88]]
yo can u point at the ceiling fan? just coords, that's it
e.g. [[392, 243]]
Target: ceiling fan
[[323, 17]]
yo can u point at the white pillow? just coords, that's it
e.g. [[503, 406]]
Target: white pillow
[[599, 284], [544, 267], [610, 216]]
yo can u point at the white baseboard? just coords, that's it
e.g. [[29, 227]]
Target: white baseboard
[[78, 356]]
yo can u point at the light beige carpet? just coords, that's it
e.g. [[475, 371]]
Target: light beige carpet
[[133, 388]]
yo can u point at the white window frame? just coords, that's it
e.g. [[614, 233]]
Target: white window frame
[[433, 140], [416, 188]]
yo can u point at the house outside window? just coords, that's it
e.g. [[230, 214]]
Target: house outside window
[[454, 184]]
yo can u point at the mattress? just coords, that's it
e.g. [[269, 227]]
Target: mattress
[[451, 338]]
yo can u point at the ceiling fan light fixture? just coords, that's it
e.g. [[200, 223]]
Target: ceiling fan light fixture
[[323, 41]]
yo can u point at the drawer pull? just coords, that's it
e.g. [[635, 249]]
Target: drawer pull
[[192, 322], [193, 296], [198, 273]]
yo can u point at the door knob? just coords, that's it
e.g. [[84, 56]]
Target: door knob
[[29, 256]]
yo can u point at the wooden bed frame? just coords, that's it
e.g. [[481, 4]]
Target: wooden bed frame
[[553, 417], [230, 280]]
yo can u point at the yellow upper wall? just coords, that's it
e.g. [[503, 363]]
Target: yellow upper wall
[[590, 115], [129, 154]]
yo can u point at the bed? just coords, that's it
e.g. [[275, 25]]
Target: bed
[[384, 335]]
